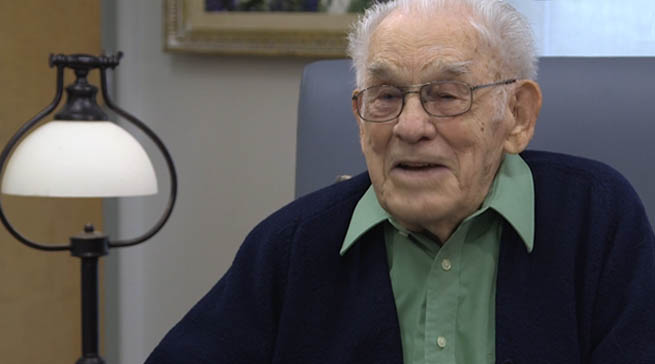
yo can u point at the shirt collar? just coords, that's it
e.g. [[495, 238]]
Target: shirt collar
[[366, 215], [511, 195]]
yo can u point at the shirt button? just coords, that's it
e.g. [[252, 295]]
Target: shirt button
[[446, 265], [441, 342]]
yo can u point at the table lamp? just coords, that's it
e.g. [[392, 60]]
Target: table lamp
[[83, 154]]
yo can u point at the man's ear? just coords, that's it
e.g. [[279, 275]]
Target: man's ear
[[525, 104]]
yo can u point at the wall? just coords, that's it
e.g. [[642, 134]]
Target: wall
[[230, 125]]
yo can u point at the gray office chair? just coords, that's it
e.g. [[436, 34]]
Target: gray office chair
[[599, 108]]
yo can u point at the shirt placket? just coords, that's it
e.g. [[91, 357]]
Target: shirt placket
[[442, 296]]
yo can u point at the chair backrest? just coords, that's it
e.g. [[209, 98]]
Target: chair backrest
[[599, 108]]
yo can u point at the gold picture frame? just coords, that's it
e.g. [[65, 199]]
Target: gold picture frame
[[189, 28]]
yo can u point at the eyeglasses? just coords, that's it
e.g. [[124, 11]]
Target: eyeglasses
[[382, 103]]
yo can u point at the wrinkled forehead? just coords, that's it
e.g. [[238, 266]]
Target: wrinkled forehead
[[415, 48], [422, 69]]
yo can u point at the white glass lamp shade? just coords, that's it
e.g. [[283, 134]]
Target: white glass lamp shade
[[79, 159]]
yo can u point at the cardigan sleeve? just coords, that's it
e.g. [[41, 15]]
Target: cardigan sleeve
[[623, 328], [236, 322]]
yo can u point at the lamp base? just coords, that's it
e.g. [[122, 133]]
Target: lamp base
[[96, 360]]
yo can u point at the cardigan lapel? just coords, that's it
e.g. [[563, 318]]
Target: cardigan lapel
[[376, 296]]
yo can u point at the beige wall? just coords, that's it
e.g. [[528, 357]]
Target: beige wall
[[39, 291], [230, 124]]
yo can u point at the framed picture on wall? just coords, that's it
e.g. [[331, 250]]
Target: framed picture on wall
[[314, 28]]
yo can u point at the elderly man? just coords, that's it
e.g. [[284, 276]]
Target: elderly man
[[453, 248]]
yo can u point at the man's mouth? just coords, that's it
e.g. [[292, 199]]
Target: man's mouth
[[415, 172], [417, 166]]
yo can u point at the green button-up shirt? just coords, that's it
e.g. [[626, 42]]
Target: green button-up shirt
[[445, 294]]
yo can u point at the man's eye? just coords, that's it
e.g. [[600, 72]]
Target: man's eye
[[441, 97], [387, 96], [445, 96]]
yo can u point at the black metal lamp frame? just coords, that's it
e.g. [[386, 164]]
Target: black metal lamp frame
[[88, 245]]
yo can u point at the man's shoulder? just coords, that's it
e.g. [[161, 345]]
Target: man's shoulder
[[580, 189], [574, 171], [335, 201], [318, 221]]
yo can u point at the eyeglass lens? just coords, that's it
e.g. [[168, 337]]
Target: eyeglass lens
[[382, 103]]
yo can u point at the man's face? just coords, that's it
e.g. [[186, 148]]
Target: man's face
[[429, 173]]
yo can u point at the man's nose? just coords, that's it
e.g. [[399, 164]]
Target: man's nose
[[414, 123]]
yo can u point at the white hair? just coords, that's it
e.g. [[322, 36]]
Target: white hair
[[497, 23]]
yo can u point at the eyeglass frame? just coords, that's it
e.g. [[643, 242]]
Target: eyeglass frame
[[416, 89]]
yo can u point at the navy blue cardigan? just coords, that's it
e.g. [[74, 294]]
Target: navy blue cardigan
[[586, 294]]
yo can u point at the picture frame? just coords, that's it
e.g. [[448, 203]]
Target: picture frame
[[189, 28]]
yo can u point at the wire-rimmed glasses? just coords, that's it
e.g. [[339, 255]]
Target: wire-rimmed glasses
[[383, 103]]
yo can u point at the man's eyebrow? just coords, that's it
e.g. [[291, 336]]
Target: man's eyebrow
[[379, 70], [449, 68], [382, 71]]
